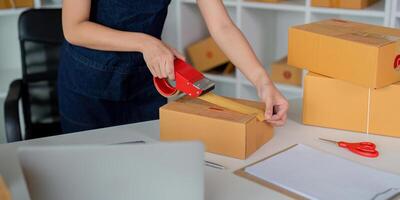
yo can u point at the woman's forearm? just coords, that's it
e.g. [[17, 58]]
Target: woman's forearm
[[238, 50], [79, 30], [232, 42], [95, 36]]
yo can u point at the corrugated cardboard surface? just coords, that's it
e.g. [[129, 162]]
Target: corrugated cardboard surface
[[338, 104], [385, 110], [359, 53], [206, 55], [4, 192], [18, 3], [222, 131], [350, 4], [286, 74]]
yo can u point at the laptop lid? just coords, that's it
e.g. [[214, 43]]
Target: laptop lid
[[119, 172]]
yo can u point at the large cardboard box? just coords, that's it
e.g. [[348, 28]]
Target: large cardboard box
[[338, 104], [222, 131], [363, 54], [281, 72], [17, 3], [4, 192], [350, 4], [206, 55]]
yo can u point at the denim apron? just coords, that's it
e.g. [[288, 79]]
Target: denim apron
[[102, 88]]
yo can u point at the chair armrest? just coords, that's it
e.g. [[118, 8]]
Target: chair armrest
[[11, 112]]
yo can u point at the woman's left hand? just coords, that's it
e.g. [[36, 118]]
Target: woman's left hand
[[276, 106]]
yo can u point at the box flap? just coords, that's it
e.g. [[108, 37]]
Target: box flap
[[205, 109], [353, 31]]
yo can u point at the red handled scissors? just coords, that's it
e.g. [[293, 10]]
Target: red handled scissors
[[367, 149]]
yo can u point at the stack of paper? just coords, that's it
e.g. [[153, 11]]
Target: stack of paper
[[318, 175]]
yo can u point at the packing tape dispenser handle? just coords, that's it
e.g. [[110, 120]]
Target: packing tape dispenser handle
[[164, 87]]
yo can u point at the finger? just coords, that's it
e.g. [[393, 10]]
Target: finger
[[152, 72], [178, 55], [280, 122], [268, 108], [157, 70], [281, 111], [277, 123], [170, 69], [163, 68]]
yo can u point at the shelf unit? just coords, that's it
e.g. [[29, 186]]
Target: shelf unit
[[265, 25], [395, 16]]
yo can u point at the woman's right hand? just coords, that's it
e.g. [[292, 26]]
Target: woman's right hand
[[160, 57]]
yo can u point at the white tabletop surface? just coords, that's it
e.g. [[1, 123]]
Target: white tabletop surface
[[219, 184]]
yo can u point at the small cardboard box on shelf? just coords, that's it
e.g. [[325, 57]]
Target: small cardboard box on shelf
[[348, 4], [16, 4], [206, 55], [281, 72]]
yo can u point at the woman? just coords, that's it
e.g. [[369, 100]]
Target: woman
[[113, 49]]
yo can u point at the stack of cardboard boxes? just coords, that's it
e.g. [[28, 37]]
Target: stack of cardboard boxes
[[353, 83]]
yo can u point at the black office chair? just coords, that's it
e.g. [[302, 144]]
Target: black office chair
[[40, 36]]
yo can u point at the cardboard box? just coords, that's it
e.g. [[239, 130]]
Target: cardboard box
[[206, 55], [349, 4], [222, 131], [338, 104], [18, 3], [4, 192], [281, 72], [363, 54]]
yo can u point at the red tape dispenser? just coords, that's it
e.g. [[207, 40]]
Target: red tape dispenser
[[187, 80]]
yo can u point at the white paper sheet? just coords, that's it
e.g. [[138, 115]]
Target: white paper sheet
[[318, 175]]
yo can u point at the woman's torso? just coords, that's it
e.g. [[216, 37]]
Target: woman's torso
[[113, 75]]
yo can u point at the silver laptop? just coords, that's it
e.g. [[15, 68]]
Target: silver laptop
[[115, 172]]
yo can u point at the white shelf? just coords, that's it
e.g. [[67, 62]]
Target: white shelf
[[265, 25], [282, 87], [293, 5], [52, 6], [12, 11], [221, 78]]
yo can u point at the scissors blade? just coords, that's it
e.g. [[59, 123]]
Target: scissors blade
[[326, 140]]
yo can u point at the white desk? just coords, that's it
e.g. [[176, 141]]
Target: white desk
[[220, 184]]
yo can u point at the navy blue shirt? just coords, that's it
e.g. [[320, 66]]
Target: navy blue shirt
[[108, 79], [104, 88]]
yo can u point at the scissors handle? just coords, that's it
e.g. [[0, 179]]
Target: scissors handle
[[366, 149]]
